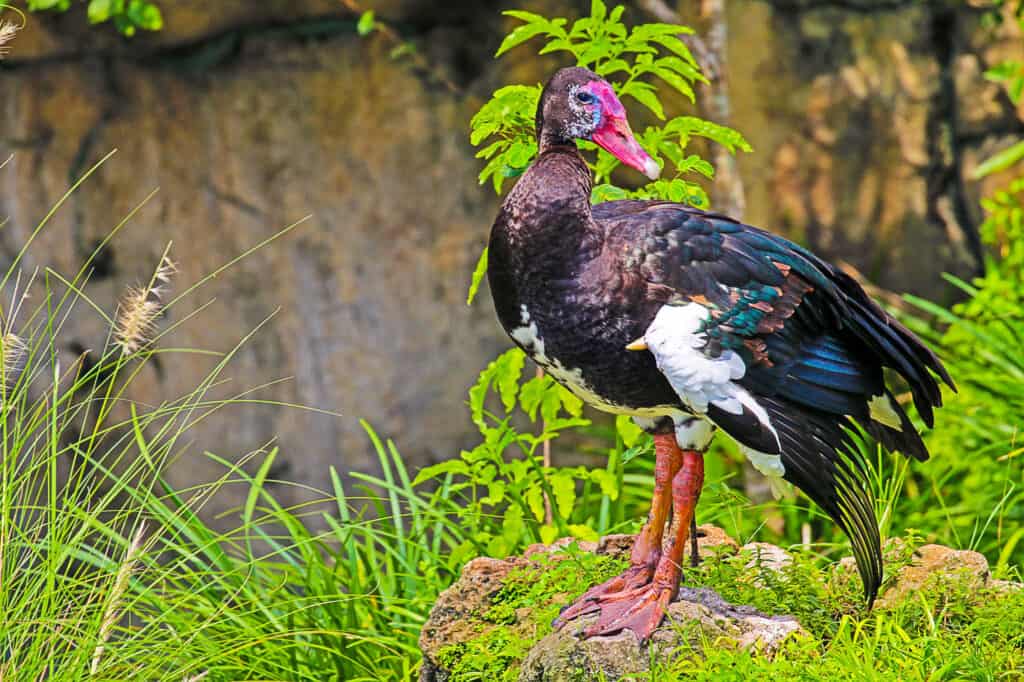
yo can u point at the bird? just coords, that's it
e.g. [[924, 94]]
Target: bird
[[691, 322]]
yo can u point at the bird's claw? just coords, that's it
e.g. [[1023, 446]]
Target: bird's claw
[[627, 602], [634, 578], [641, 613]]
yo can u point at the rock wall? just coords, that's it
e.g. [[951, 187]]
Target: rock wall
[[867, 118], [865, 124]]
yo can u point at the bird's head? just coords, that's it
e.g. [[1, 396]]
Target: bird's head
[[577, 104]]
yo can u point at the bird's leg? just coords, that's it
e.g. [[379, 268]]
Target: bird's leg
[[646, 553], [694, 546], [642, 609]]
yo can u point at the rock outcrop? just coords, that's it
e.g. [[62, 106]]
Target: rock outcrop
[[928, 564], [493, 620], [460, 615], [698, 614]]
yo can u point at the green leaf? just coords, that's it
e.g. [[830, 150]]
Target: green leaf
[[677, 191], [503, 372], [598, 10], [647, 31], [150, 18], [612, 66], [123, 24], [40, 5], [510, 369], [694, 163], [682, 67], [558, 44], [585, 533], [99, 11], [491, 149], [570, 402], [535, 501], [521, 153], [677, 82], [644, 93], [607, 483], [137, 14], [594, 53], [999, 161], [551, 403], [605, 192], [478, 276], [631, 453], [1011, 74], [563, 486], [548, 534], [495, 493], [532, 394], [520, 35], [723, 135], [675, 45], [628, 431], [366, 23], [521, 15], [451, 466]]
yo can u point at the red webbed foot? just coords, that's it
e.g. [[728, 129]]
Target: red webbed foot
[[630, 581], [641, 612]]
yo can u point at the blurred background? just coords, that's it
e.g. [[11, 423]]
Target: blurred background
[[866, 117]]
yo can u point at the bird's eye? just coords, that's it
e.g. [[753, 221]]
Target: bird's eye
[[585, 97]]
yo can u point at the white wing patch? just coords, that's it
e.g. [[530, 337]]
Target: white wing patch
[[677, 343]]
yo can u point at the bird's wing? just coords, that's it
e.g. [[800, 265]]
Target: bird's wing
[[813, 348]]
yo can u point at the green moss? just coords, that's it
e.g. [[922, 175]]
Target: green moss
[[949, 629], [520, 614]]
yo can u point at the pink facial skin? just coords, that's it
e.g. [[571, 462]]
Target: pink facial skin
[[614, 135]]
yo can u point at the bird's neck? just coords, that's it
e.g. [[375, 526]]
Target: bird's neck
[[548, 211], [545, 238]]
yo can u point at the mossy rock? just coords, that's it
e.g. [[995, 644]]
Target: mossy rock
[[797, 615], [499, 614]]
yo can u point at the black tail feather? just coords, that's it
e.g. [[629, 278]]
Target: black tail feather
[[821, 458], [896, 347]]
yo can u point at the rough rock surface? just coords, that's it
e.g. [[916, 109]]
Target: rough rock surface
[[698, 612], [369, 293], [865, 124], [934, 562]]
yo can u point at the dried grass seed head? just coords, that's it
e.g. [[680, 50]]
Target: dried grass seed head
[[140, 307], [8, 30], [13, 352]]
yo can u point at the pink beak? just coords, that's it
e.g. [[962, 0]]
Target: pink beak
[[617, 139], [614, 135]]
